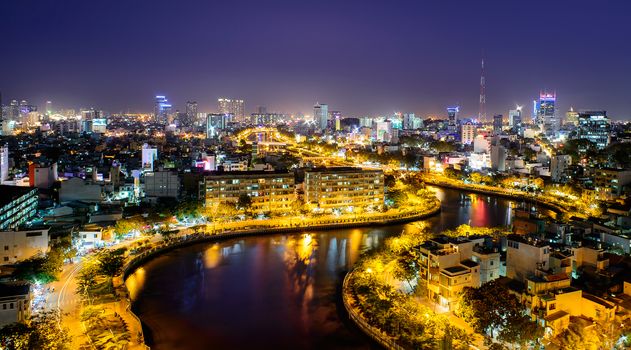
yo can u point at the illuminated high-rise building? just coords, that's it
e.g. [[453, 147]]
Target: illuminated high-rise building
[[571, 117], [149, 156], [546, 114], [216, 123], [514, 120], [452, 115], [467, 133], [231, 106], [595, 127], [335, 117], [188, 119], [162, 109], [49, 107], [321, 116], [498, 121], [412, 122]]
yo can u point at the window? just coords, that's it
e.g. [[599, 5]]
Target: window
[[553, 306], [4, 306], [6, 247], [492, 262], [10, 305], [6, 258]]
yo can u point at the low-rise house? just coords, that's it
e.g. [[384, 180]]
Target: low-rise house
[[15, 303], [23, 244]]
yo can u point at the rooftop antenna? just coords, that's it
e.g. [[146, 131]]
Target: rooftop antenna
[[482, 112]]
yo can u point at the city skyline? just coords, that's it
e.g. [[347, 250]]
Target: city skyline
[[411, 57]]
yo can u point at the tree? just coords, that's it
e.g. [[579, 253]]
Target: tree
[[492, 310], [188, 210], [86, 279], [476, 177], [15, 336], [389, 181], [396, 198], [538, 182], [111, 261], [125, 226], [42, 332], [245, 202], [452, 173]]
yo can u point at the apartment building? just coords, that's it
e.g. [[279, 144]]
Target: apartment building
[[17, 206], [344, 188], [270, 191], [526, 256], [446, 266]]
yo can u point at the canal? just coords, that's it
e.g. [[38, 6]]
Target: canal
[[275, 291]]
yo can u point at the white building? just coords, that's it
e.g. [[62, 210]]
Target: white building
[[149, 155], [526, 257], [22, 244], [498, 158], [468, 133], [90, 236], [15, 303], [481, 144], [4, 163], [558, 166], [321, 115]]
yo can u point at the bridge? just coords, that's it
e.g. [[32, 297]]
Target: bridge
[[263, 135]]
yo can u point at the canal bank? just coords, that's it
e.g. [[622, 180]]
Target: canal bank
[[518, 196], [281, 290]]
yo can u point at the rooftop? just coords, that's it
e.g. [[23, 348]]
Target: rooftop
[[13, 289], [456, 269]]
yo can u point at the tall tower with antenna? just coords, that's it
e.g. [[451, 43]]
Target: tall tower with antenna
[[482, 112]]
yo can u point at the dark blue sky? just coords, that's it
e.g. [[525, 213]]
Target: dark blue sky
[[361, 57]]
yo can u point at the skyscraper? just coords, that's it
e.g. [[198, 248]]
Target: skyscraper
[[452, 115], [231, 106], [191, 113], [336, 118], [162, 109], [595, 127], [482, 113], [149, 155], [546, 117], [571, 117], [514, 120], [498, 121], [467, 135], [321, 116]]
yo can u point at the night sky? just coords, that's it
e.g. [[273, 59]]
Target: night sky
[[360, 57]]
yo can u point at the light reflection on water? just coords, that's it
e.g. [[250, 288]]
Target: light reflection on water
[[274, 291]]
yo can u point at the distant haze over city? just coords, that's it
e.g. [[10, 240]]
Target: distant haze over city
[[362, 58]]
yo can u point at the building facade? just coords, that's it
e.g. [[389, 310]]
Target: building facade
[[17, 206], [22, 244], [270, 192], [234, 107], [162, 184], [15, 303], [595, 127], [344, 189]]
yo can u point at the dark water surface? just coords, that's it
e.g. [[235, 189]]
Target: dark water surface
[[276, 291]]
